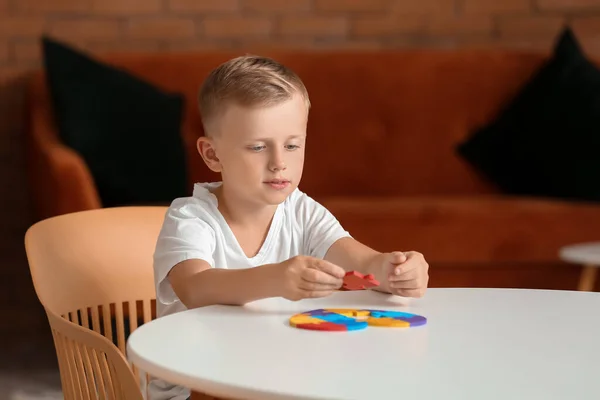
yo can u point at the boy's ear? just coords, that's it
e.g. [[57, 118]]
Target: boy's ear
[[206, 148]]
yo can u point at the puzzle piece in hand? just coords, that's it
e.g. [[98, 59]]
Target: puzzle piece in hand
[[354, 280]]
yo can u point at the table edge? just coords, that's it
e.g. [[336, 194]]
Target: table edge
[[206, 386]]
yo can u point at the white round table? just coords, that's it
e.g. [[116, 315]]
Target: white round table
[[477, 344], [586, 254]]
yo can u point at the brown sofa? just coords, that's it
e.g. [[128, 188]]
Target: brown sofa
[[381, 156]]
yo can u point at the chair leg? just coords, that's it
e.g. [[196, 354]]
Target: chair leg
[[587, 280]]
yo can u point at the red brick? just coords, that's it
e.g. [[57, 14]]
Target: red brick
[[457, 26], [351, 5], [126, 7], [160, 28], [538, 44], [425, 7], [276, 6], [85, 29], [267, 45], [233, 27], [567, 5], [198, 45], [314, 26], [52, 6], [21, 26], [111, 46], [530, 26], [204, 5], [360, 45], [387, 26], [496, 6]]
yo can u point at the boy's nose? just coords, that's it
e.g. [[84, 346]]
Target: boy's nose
[[277, 164]]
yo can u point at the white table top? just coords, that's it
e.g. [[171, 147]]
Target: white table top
[[477, 344], [582, 253]]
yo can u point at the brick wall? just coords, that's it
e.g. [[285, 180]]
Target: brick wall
[[173, 25]]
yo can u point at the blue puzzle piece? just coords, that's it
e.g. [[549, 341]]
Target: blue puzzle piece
[[391, 314], [334, 317], [356, 325]]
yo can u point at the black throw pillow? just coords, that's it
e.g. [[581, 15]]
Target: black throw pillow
[[127, 130], [546, 142]]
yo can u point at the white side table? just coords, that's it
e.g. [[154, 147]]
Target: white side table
[[587, 254]]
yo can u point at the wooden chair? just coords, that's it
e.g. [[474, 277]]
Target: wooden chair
[[92, 272]]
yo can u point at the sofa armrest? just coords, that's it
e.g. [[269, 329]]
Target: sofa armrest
[[60, 180]]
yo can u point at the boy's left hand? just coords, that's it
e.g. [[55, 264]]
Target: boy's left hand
[[402, 273]]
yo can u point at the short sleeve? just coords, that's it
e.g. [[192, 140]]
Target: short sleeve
[[183, 236], [321, 228]]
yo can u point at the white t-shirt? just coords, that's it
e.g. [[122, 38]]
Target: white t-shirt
[[194, 228]]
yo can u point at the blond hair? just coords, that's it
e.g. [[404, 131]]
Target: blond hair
[[248, 81]]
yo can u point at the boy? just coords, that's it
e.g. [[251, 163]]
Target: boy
[[255, 234]]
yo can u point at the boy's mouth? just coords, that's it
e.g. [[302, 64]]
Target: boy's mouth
[[278, 183]]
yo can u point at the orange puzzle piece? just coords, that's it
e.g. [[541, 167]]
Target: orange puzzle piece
[[354, 280]]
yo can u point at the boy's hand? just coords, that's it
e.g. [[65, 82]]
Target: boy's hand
[[307, 277], [403, 273]]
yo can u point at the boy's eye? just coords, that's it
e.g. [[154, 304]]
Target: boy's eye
[[260, 148]]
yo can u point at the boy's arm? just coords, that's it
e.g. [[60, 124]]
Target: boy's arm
[[197, 284], [352, 255], [409, 280], [400, 273], [326, 238]]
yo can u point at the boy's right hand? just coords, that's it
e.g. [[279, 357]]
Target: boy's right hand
[[308, 277]]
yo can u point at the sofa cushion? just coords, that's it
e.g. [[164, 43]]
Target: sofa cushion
[[545, 142], [127, 130]]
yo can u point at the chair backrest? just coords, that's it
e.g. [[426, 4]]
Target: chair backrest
[[97, 263], [94, 269], [91, 367]]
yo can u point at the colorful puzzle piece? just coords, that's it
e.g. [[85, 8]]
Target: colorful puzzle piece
[[350, 312], [413, 319], [390, 314], [333, 319], [332, 327], [354, 280], [388, 322]]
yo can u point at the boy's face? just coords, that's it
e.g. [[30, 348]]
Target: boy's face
[[260, 151]]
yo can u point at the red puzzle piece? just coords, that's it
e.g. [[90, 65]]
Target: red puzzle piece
[[325, 326], [354, 280]]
